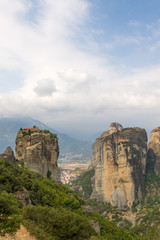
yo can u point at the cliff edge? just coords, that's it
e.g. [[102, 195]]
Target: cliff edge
[[119, 156], [39, 151]]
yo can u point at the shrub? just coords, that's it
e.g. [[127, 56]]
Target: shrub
[[49, 173], [48, 223], [10, 213]]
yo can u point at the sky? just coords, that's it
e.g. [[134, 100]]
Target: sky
[[78, 65]]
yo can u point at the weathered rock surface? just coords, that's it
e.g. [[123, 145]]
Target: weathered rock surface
[[23, 196], [114, 127], [154, 149], [119, 157], [8, 155], [39, 151], [95, 225]]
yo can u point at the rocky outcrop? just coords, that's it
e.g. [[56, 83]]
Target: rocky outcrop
[[39, 151], [114, 127], [8, 155], [23, 196], [95, 225], [154, 149], [119, 157]]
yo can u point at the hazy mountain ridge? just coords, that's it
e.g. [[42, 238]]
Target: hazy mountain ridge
[[69, 147]]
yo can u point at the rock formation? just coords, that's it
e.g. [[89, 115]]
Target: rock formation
[[119, 157], [8, 155], [154, 149], [23, 196], [39, 151]]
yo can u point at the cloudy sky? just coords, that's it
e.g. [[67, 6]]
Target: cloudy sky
[[78, 65]]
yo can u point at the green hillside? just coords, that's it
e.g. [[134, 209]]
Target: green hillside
[[146, 212], [53, 211]]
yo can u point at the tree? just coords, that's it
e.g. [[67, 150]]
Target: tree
[[10, 211]]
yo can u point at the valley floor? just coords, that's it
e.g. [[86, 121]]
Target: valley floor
[[70, 171]]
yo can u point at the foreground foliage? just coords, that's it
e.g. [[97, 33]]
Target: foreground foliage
[[10, 213], [46, 222], [147, 211], [56, 211], [85, 183]]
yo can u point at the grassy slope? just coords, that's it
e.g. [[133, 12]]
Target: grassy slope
[[147, 211], [85, 183], [56, 211]]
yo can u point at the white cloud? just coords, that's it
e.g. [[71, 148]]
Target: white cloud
[[64, 84], [45, 87]]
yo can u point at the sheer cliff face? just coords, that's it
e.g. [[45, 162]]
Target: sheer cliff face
[[154, 149], [119, 158], [39, 152]]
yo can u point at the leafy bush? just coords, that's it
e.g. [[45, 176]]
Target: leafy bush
[[56, 211], [48, 223], [152, 234], [52, 135], [108, 230], [49, 173], [10, 213], [84, 180], [134, 204]]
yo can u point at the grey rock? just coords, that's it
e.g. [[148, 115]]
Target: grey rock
[[8, 155], [23, 197], [95, 225]]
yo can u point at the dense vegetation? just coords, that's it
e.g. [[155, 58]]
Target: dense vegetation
[[56, 223], [59, 213], [10, 213], [148, 209], [85, 183], [146, 212], [56, 211]]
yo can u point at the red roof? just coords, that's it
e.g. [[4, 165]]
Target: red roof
[[31, 129]]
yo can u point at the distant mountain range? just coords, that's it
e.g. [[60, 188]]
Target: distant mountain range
[[70, 148]]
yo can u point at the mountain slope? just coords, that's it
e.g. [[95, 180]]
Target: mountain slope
[[49, 211], [69, 147], [143, 219]]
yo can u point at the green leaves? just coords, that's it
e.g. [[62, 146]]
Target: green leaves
[[56, 211], [85, 182], [56, 224], [10, 213]]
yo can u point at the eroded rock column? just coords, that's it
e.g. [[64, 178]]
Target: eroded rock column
[[154, 149], [39, 151], [120, 161]]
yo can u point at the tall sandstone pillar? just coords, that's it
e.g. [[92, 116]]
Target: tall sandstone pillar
[[119, 156], [39, 151], [154, 149]]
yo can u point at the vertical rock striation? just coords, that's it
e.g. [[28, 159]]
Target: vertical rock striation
[[119, 157], [154, 149], [39, 151]]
